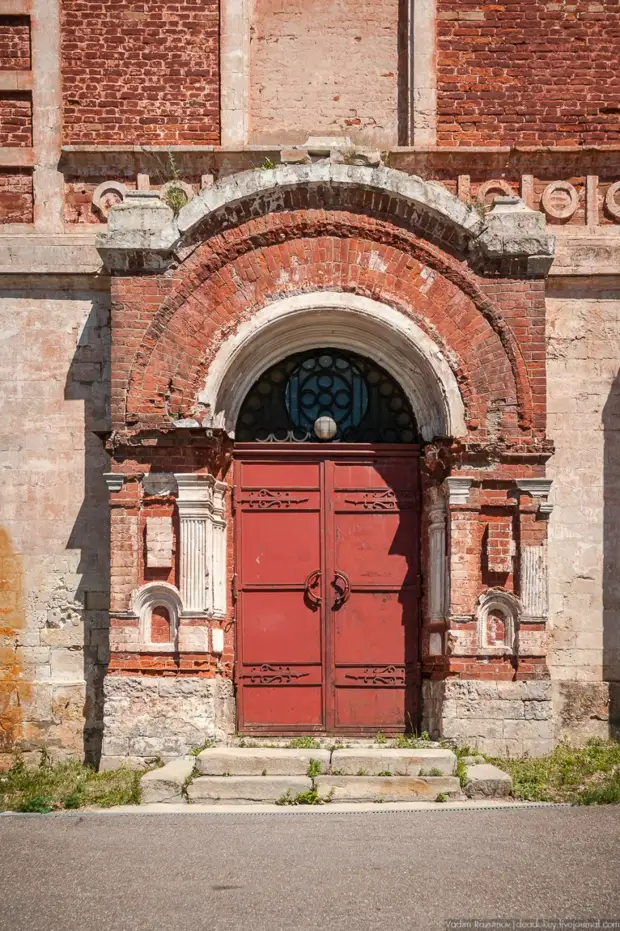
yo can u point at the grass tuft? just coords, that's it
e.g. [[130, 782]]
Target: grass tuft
[[304, 743], [66, 785], [587, 775]]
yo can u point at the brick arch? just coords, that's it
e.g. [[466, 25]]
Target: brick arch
[[235, 273]]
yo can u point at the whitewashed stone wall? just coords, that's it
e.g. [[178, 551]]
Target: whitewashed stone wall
[[54, 380], [148, 717], [584, 541]]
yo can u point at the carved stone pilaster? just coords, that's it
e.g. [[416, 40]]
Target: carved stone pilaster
[[534, 595], [437, 557], [218, 552], [202, 544]]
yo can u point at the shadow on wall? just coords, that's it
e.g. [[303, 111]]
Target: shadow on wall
[[611, 547], [88, 380]]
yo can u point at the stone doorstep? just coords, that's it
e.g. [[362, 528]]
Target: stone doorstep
[[392, 761], [387, 788], [246, 789], [356, 778], [166, 783], [235, 761], [258, 761], [487, 781]]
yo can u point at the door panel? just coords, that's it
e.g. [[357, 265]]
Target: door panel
[[283, 628], [276, 709], [328, 604], [385, 708], [267, 556], [374, 643], [371, 627], [280, 640], [376, 548]]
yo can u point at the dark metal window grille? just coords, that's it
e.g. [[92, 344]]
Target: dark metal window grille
[[366, 404]]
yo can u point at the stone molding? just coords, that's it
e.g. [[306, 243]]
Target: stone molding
[[142, 231], [534, 582]]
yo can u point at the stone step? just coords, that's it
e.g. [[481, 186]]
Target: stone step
[[166, 783], [389, 762], [242, 790], [259, 761], [387, 788], [487, 781]]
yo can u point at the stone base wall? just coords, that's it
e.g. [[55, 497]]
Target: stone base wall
[[148, 717], [499, 718]]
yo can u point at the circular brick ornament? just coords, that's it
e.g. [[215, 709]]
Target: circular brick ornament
[[495, 186], [611, 204], [560, 200]]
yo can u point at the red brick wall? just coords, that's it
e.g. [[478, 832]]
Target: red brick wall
[[14, 43], [15, 119], [141, 71], [16, 202], [530, 72]]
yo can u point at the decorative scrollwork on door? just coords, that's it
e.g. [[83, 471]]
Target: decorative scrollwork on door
[[266, 499], [380, 675], [381, 500], [272, 675]]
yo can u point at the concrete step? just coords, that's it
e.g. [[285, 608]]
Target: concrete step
[[259, 761], [166, 783], [387, 788], [246, 789], [389, 762]]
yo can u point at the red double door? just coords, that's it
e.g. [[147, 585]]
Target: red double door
[[327, 582]]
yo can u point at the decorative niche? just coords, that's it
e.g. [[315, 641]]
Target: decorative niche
[[158, 606], [498, 616]]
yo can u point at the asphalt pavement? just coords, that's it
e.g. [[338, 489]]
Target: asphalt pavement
[[386, 870]]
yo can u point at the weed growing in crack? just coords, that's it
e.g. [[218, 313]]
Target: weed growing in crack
[[314, 769]]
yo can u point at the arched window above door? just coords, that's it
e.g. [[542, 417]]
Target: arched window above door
[[330, 395]]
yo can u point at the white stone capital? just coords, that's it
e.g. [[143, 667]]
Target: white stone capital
[[539, 488], [458, 489], [114, 481]]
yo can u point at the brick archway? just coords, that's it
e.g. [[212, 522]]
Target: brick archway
[[233, 275]]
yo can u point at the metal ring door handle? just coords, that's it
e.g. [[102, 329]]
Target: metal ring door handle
[[313, 580], [343, 590]]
